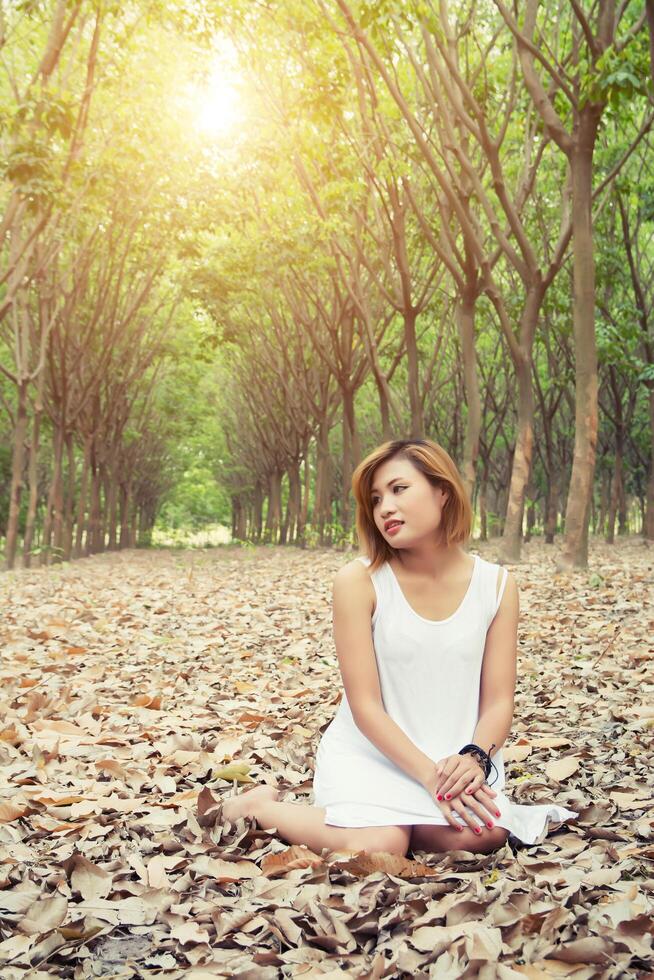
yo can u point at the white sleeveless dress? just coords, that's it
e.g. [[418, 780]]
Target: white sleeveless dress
[[430, 673]]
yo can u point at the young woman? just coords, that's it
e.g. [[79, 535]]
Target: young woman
[[426, 638]]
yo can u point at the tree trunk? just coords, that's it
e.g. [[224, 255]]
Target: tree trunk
[[81, 503], [575, 550], [236, 506], [58, 499], [69, 501], [623, 518], [649, 515], [257, 511], [384, 410], [483, 517], [531, 521], [125, 505], [605, 495], [112, 510], [133, 526], [351, 453], [54, 504], [16, 486], [466, 325], [239, 531], [324, 478], [33, 483], [285, 518], [294, 500], [413, 375], [104, 508], [551, 507], [94, 530], [304, 507], [521, 468], [617, 486], [273, 516]]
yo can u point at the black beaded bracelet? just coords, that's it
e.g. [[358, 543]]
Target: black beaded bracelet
[[483, 758]]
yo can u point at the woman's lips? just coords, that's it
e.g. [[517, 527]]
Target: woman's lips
[[394, 528]]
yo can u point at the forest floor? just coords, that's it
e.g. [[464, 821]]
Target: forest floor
[[139, 689]]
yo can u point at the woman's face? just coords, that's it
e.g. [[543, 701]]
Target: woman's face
[[401, 493]]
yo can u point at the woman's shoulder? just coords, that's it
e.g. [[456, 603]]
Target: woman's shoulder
[[353, 585], [355, 570], [356, 574]]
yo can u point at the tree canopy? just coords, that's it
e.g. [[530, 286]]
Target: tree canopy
[[243, 244]]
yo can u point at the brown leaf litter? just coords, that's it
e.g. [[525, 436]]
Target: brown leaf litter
[[140, 689]]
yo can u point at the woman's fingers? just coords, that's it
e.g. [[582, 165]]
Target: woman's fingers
[[480, 801], [474, 822], [448, 813], [459, 780], [477, 811], [486, 812], [447, 767], [451, 775], [486, 802], [455, 774]]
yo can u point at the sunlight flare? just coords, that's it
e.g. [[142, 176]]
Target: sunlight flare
[[217, 101]]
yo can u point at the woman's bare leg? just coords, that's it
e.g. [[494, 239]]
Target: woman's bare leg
[[435, 839], [298, 823]]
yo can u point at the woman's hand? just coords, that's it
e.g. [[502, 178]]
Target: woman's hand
[[448, 778], [459, 773]]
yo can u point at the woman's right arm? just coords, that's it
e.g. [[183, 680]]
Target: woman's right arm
[[353, 604]]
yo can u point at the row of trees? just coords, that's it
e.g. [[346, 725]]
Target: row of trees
[[98, 198], [463, 186], [433, 218]]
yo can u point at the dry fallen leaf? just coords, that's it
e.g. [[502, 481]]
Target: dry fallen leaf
[[560, 769], [12, 811], [44, 915], [87, 878], [297, 856]]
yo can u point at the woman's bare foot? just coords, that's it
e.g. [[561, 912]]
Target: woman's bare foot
[[244, 804]]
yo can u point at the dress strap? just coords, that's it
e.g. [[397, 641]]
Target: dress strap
[[381, 584], [505, 576]]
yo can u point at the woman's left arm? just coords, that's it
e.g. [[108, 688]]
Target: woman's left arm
[[498, 672], [496, 694]]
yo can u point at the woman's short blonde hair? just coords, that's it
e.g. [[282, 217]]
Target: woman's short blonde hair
[[439, 468]]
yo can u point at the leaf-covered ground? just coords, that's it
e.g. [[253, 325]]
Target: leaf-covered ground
[[142, 688]]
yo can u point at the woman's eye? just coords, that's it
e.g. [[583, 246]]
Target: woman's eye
[[398, 486]]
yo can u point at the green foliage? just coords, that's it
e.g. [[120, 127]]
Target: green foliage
[[618, 76], [196, 499]]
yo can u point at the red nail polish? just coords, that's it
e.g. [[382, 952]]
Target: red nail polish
[[497, 813], [448, 796], [439, 797], [477, 830], [490, 826]]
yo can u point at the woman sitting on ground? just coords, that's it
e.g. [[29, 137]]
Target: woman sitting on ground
[[426, 639]]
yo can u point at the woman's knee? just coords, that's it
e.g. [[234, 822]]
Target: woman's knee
[[391, 840], [490, 840]]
